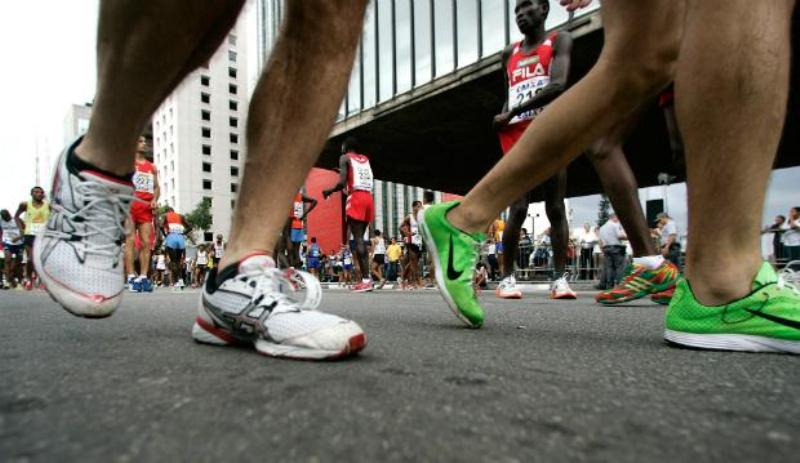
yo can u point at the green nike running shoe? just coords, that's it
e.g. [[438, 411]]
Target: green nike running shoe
[[766, 320], [455, 254]]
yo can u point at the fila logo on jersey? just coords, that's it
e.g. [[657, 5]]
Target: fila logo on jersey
[[526, 73]]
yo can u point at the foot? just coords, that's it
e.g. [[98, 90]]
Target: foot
[[507, 289], [455, 254], [134, 285], [640, 282], [251, 305], [766, 320], [146, 285], [79, 254], [663, 297], [560, 289]]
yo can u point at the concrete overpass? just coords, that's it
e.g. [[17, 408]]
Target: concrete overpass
[[439, 135]]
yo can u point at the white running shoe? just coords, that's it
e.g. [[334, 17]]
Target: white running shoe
[[507, 289], [79, 254], [253, 306], [560, 288]]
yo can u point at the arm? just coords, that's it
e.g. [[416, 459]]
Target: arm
[[313, 203], [343, 166], [559, 73], [23, 207], [156, 190], [502, 119]]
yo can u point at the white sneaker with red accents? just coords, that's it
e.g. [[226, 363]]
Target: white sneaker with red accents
[[78, 255], [253, 305], [560, 289], [507, 289]]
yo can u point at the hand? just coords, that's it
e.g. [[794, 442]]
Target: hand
[[665, 251], [572, 5], [154, 204], [501, 120]]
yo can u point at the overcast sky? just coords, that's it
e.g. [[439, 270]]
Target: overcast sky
[[49, 51]]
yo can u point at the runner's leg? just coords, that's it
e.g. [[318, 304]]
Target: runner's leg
[[555, 190], [288, 121], [516, 216], [731, 109], [144, 51]]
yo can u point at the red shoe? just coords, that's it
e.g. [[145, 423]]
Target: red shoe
[[28, 285], [363, 287]]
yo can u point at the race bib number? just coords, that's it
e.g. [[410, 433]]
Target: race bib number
[[176, 228], [362, 176], [36, 227], [524, 91], [144, 182], [348, 261], [416, 239], [298, 210]]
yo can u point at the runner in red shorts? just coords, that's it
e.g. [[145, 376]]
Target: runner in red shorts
[[145, 182], [355, 177]]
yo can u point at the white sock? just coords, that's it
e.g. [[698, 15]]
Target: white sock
[[366, 280], [131, 275], [649, 262]]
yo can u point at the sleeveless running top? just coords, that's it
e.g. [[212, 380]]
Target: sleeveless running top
[[36, 217], [202, 258], [380, 246], [528, 73], [174, 222], [298, 208], [144, 180], [359, 174], [10, 231]]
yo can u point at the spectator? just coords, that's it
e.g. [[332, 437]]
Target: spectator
[[587, 239], [491, 258], [393, 254], [670, 246], [525, 248], [481, 276], [611, 235], [791, 237], [777, 229]]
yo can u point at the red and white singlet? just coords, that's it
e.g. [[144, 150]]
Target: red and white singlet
[[144, 180], [298, 208], [359, 175], [528, 73]]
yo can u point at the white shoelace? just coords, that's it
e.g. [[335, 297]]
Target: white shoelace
[[788, 278], [273, 288], [105, 213]]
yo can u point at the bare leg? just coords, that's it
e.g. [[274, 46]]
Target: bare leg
[[288, 124], [642, 41], [621, 187], [731, 109], [555, 190], [516, 216], [145, 233], [358, 228], [130, 249], [144, 51]]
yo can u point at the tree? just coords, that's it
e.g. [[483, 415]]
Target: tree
[[604, 210], [200, 218]]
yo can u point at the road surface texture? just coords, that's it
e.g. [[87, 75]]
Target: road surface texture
[[542, 381]]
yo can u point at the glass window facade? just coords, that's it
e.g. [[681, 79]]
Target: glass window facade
[[408, 43]]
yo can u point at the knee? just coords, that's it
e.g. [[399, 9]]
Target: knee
[[555, 212]]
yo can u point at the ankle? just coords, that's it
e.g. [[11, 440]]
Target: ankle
[[463, 219], [89, 153], [721, 282], [234, 256]]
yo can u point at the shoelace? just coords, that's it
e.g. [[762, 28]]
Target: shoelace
[[104, 213], [272, 289], [788, 278]]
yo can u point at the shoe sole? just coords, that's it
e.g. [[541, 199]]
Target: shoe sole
[[564, 296], [205, 332], [440, 278], [731, 342], [509, 296], [76, 304]]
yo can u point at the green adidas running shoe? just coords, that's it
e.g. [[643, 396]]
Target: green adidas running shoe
[[455, 254], [766, 320]]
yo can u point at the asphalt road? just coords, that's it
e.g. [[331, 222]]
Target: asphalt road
[[542, 381]]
